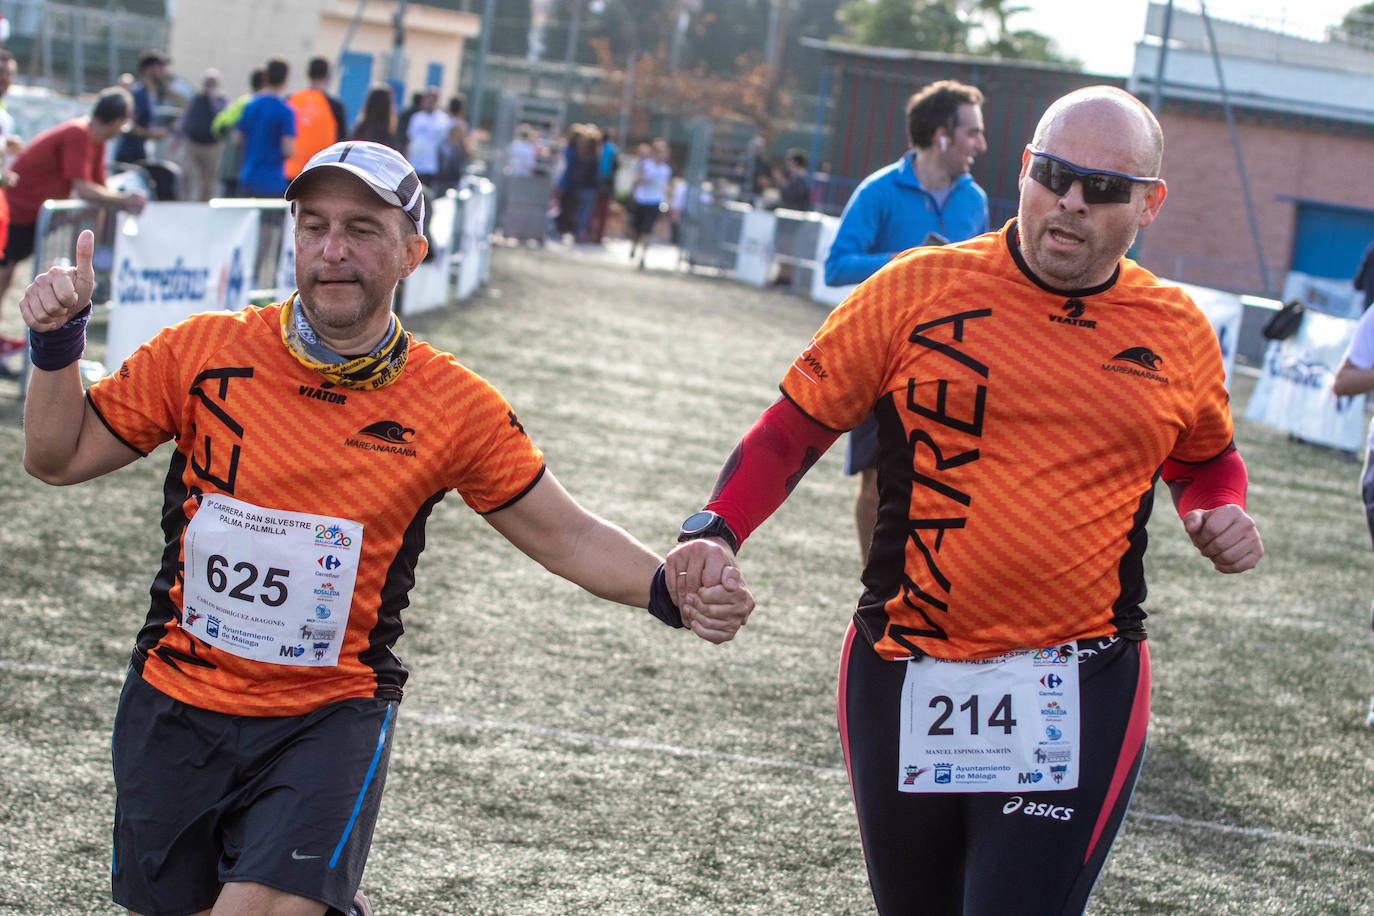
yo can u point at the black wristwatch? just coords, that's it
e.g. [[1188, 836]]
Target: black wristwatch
[[708, 525]]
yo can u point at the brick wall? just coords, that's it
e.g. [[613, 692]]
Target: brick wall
[[1203, 234]]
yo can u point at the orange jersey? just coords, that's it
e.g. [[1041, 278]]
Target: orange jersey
[[1021, 431], [254, 425]]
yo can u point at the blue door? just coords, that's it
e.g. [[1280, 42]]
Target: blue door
[[434, 75], [355, 76], [1330, 240]]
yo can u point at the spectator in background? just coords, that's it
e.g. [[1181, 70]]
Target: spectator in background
[[457, 146], [1364, 276], [231, 150], [586, 167], [267, 130], [133, 148], [755, 171], [796, 185], [605, 188], [567, 195], [652, 174], [65, 161], [11, 145], [925, 198], [377, 120], [426, 134], [196, 128], [522, 156], [417, 101], [320, 117], [1355, 376], [677, 206]]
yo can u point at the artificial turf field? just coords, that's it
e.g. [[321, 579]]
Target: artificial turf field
[[557, 754]]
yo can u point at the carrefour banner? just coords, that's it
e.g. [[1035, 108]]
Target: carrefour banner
[[1224, 311], [172, 261], [1294, 388]]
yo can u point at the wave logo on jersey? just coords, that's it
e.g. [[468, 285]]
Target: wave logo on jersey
[[395, 438], [388, 431], [1143, 357], [1141, 362]]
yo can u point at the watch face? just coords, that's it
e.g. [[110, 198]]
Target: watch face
[[698, 522]]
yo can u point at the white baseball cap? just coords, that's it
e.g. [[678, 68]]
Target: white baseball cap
[[382, 168]]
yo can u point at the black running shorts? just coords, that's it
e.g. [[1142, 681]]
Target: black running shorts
[[995, 853], [204, 799]]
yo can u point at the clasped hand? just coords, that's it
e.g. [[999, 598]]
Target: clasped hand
[[708, 589]]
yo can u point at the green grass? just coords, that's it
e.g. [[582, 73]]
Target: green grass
[[562, 755]]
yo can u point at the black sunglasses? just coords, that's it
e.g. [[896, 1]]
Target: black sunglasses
[[1099, 186]]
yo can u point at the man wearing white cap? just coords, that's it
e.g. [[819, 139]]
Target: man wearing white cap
[[313, 438]]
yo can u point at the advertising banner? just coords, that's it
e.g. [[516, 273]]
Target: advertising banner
[[1294, 388], [174, 260]]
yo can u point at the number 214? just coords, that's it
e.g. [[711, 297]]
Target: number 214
[[1000, 718]]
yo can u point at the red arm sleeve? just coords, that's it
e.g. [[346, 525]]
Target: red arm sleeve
[[1218, 482], [768, 462]]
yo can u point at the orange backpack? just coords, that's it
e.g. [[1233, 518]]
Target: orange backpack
[[315, 127]]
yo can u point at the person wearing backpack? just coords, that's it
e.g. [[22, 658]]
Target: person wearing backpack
[[202, 147], [320, 118]]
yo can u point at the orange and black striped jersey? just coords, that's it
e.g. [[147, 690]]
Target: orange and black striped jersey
[[1021, 431], [255, 427]]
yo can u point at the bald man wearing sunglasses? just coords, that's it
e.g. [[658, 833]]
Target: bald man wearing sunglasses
[[1030, 385]]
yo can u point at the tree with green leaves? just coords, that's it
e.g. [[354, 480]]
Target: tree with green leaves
[[1359, 22], [920, 25], [980, 27]]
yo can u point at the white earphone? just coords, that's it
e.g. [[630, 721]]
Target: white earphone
[[944, 143]]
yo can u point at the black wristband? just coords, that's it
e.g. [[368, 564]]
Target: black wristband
[[59, 348], [660, 602]]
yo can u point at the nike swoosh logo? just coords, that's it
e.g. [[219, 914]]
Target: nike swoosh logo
[[297, 855]]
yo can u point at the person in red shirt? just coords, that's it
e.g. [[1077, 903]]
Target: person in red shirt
[[62, 162]]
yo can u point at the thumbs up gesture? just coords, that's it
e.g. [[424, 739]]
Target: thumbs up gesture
[[56, 296]]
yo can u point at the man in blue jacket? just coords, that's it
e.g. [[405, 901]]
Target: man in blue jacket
[[927, 197]]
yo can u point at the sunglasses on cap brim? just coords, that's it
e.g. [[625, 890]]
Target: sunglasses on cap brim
[[1099, 186]]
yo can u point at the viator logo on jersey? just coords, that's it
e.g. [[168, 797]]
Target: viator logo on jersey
[[1073, 315], [392, 437], [320, 394], [1142, 362]]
